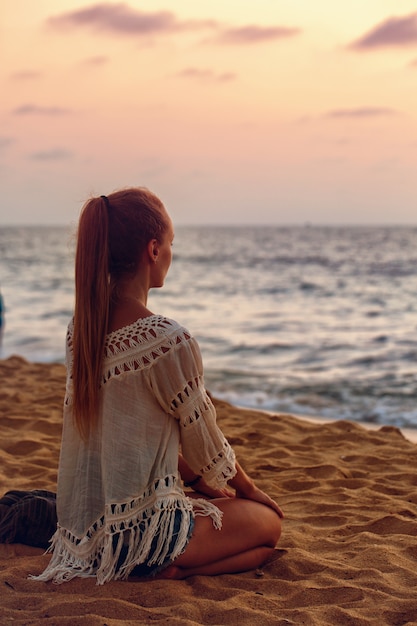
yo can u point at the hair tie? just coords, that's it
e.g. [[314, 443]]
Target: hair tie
[[106, 201]]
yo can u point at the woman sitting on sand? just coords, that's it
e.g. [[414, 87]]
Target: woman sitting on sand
[[137, 418]]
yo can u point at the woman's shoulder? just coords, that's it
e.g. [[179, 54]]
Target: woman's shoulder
[[150, 340], [151, 330], [153, 325]]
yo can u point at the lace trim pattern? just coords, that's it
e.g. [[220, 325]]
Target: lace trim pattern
[[221, 468], [144, 333], [187, 397]]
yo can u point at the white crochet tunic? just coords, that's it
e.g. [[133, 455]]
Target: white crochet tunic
[[122, 488]]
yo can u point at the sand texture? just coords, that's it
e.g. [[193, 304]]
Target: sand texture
[[348, 553]]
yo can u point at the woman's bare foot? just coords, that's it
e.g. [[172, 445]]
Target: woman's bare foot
[[172, 572]]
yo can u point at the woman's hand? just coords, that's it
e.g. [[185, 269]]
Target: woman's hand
[[260, 496], [198, 484], [246, 488], [211, 492]]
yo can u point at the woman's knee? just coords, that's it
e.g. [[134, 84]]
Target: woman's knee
[[247, 526], [269, 525], [257, 520], [274, 525]]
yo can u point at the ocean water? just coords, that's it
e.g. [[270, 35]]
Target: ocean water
[[307, 320]]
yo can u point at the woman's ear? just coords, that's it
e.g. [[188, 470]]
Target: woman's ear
[[153, 250]]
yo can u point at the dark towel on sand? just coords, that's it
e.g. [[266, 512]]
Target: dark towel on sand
[[28, 517]]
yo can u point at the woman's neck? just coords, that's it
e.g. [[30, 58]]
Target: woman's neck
[[129, 303]]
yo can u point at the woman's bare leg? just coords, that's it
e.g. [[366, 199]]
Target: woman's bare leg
[[249, 533], [242, 562]]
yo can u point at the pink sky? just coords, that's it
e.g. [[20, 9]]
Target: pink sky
[[232, 111]]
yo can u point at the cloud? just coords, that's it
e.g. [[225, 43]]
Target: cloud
[[6, 141], [253, 34], [34, 109], [395, 31], [361, 112], [26, 75], [55, 154], [95, 61], [122, 20], [206, 75]]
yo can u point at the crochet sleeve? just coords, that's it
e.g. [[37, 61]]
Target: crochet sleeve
[[177, 382]]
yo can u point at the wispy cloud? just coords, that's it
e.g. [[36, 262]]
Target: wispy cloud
[[206, 75], [96, 61], [55, 154], [123, 20], [361, 112], [395, 31], [34, 109], [253, 34], [26, 75], [6, 141]]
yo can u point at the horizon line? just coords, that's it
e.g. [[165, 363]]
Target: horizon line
[[180, 224]]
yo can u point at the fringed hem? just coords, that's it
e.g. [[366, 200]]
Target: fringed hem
[[65, 564], [129, 534], [205, 508]]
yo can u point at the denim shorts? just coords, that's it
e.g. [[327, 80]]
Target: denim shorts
[[143, 569]]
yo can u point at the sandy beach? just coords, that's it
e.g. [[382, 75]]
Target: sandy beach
[[348, 553]]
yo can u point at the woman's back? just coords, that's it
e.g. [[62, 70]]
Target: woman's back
[[135, 441]]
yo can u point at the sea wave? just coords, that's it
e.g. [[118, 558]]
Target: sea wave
[[309, 320]]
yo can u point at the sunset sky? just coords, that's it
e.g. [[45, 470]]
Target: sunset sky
[[232, 111]]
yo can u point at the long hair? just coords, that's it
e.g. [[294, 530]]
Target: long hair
[[113, 232]]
